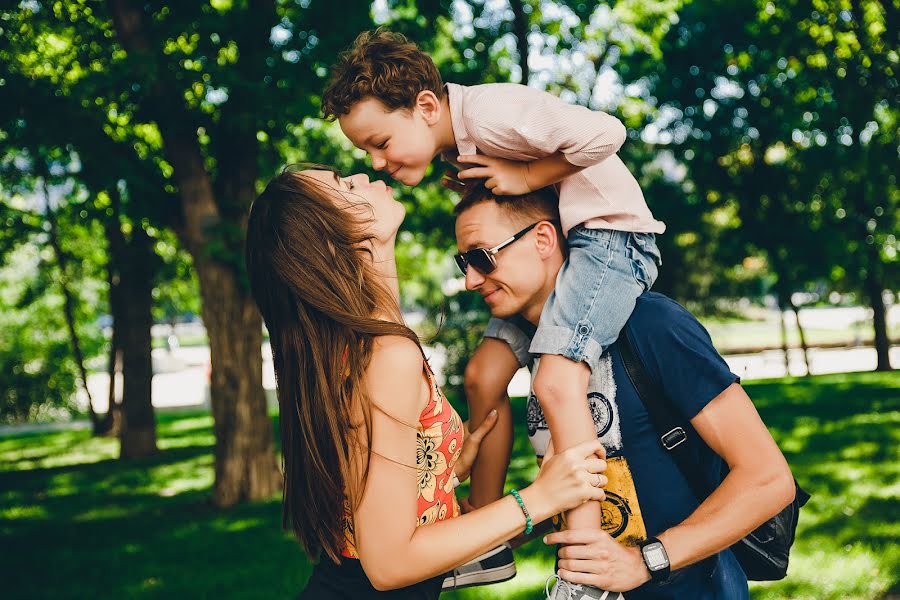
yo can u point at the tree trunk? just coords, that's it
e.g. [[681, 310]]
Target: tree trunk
[[115, 249], [520, 30], [245, 463], [137, 433], [69, 308], [802, 334], [875, 290], [782, 313], [246, 468], [113, 418]]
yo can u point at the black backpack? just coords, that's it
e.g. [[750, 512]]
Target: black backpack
[[763, 553]]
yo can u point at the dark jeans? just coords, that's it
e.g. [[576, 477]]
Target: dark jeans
[[348, 580]]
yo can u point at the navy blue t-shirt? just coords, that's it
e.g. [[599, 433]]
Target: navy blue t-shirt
[[647, 493]]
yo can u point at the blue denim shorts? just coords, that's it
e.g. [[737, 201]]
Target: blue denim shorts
[[595, 292]]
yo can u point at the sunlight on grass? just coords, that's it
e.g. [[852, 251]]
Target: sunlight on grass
[[42, 451], [840, 433], [146, 529]]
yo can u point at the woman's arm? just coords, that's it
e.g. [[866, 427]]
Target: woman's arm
[[393, 551]]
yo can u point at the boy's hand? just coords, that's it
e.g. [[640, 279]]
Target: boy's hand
[[503, 177]]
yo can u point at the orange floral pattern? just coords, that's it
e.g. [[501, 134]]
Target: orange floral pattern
[[439, 438]]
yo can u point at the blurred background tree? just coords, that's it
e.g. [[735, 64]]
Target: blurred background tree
[[763, 134]]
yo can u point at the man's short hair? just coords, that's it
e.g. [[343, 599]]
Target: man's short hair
[[384, 65], [539, 205]]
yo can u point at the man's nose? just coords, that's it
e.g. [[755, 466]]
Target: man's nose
[[474, 279]]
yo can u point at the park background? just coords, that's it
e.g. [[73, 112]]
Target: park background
[[134, 136]]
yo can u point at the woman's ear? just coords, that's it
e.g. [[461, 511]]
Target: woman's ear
[[546, 239], [428, 104]]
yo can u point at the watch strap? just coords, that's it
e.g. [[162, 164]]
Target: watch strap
[[658, 575]]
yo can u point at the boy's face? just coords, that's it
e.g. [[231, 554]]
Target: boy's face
[[400, 142]]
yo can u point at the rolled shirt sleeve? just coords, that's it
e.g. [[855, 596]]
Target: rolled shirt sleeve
[[518, 118]]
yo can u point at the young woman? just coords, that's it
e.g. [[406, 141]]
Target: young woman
[[372, 448]]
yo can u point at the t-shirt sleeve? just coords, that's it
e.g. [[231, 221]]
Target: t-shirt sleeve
[[512, 331], [522, 119], [678, 354]]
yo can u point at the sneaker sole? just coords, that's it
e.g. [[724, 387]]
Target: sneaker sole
[[484, 577]]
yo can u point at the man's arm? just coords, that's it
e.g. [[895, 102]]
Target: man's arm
[[759, 484]]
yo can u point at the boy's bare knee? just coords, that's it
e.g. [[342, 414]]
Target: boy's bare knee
[[473, 379]]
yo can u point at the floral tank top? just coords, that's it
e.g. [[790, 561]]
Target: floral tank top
[[439, 438]]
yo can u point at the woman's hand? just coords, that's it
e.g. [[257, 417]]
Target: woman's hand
[[471, 444], [569, 479]]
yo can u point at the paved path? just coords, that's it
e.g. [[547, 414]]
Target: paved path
[[182, 377]]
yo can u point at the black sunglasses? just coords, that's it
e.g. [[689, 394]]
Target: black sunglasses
[[483, 258]]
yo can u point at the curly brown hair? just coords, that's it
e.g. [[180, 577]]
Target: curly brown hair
[[384, 65]]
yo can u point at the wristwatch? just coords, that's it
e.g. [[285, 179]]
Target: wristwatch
[[656, 559]]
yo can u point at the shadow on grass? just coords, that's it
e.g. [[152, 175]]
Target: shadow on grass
[[840, 434], [76, 522], [83, 524]]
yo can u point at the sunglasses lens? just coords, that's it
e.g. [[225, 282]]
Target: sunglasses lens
[[461, 262], [480, 259]]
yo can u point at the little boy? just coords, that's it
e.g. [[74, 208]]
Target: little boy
[[390, 101]]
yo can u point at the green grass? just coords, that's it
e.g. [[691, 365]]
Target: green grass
[[77, 523]]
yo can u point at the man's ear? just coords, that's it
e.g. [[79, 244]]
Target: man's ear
[[428, 104], [546, 239]]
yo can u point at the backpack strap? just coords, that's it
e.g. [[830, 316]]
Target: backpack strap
[[676, 438]]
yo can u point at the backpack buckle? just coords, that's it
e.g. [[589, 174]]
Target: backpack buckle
[[673, 438]]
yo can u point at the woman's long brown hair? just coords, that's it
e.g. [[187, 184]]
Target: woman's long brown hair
[[314, 282]]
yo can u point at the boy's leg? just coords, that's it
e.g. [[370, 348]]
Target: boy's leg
[[561, 386], [492, 366], [595, 293], [487, 377]]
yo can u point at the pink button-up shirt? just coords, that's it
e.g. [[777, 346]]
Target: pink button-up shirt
[[516, 122]]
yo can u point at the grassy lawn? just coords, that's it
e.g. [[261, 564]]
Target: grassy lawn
[[76, 523]]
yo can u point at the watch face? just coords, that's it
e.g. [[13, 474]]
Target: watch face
[[655, 556]]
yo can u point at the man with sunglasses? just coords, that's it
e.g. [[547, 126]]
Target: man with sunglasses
[[657, 540]]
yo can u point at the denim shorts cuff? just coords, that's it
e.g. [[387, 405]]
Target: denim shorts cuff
[[559, 340]]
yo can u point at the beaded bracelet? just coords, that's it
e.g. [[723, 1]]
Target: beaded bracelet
[[529, 524]]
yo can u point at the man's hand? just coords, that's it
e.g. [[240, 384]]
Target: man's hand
[[471, 444], [503, 177], [592, 557]]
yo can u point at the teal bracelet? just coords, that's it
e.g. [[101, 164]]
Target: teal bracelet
[[529, 524]]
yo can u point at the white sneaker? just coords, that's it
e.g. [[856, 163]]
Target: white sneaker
[[564, 590]]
